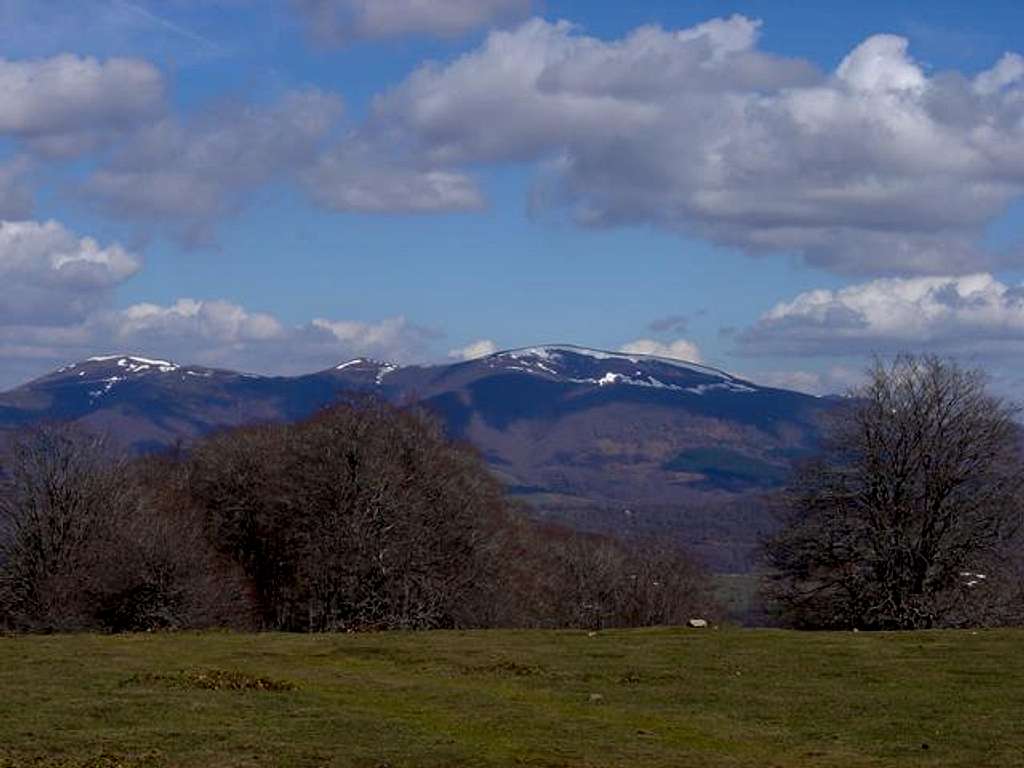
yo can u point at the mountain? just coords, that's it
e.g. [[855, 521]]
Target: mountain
[[600, 440]]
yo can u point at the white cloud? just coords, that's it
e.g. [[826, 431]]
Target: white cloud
[[1008, 71], [877, 167], [680, 349], [358, 176], [218, 322], [388, 337], [216, 333], [67, 104], [474, 350], [49, 273], [221, 333], [969, 313], [341, 21], [186, 175], [57, 306]]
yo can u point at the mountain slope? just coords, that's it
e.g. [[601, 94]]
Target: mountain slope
[[602, 440]]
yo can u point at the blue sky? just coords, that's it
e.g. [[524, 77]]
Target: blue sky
[[276, 185]]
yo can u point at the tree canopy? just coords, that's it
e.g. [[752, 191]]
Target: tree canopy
[[910, 515]]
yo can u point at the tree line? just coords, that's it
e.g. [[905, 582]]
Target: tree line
[[363, 517]]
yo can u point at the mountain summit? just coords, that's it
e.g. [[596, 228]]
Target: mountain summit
[[580, 365]]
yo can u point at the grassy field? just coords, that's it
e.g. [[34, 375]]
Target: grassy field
[[626, 698]]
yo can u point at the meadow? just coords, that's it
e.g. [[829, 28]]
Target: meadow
[[651, 697]]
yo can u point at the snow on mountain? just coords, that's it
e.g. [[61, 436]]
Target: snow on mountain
[[130, 364], [103, 372], [581, 365], [368, 367]]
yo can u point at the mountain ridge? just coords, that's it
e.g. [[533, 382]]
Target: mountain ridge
[[141, 363], [582, 436]]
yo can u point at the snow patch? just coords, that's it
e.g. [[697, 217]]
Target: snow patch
[[349, 364], [136, 364], [384, 371], [552, 360], [108, 384], [553, 353]]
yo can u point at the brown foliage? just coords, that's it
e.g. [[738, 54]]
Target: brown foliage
[[361, 517], [87, 543], [552, 577]]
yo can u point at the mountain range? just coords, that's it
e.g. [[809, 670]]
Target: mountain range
[[601, 441]]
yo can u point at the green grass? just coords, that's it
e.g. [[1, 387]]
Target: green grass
[[626, 698]]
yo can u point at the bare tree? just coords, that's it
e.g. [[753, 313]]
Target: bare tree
[[363, 517], [553, 577], [906, 518], [62, 497], [91, 540]]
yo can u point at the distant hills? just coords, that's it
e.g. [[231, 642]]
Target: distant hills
[[599, 440]]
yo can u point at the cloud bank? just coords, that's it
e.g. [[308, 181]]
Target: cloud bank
[[57, 306], [970, 313], [474, 350], [65, 105], [877, 167]]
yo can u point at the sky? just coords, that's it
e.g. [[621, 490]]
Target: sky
[[275, 186]]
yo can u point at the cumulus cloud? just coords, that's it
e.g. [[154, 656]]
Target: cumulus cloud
[[187, 174], [969, 313], [57, 306], [342, 21], [224, 334], [361, 177], [680, 349], [51, 274], [474, 350], [393, 338], [68, 104], [188, 320], [220, 333], [215, 333], [876, 167]]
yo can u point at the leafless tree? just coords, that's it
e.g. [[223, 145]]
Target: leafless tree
[[908, 517], [62, 497], [85, 543], [553, 577], [363, 517]]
